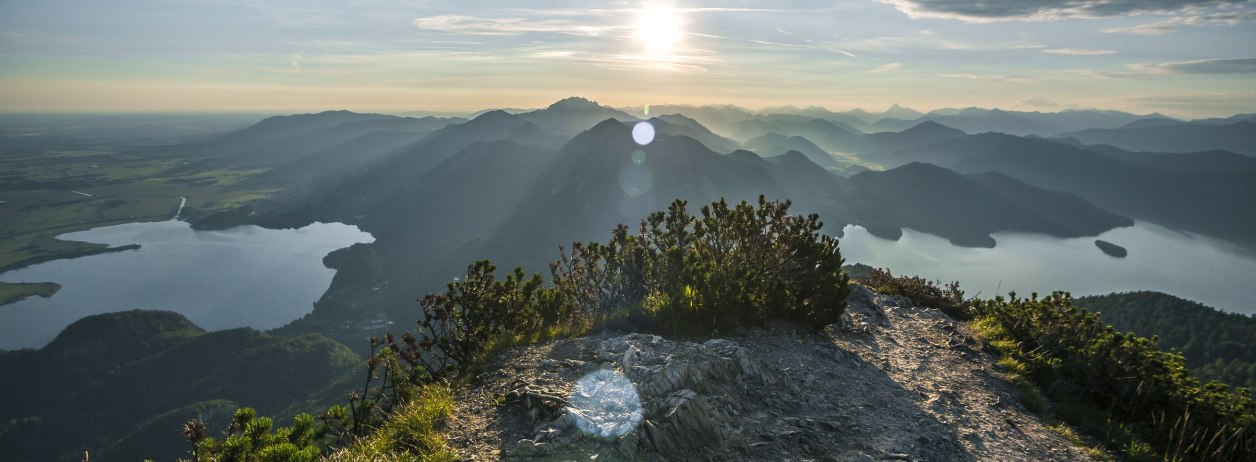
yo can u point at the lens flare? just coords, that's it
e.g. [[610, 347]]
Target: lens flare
[[605, 404], [643, 133], [635, 180], [638, 157]]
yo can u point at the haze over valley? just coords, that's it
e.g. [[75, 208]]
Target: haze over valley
[[513, 187], [210, 206]]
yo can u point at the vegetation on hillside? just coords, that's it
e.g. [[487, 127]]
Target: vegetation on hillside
[[949, 299], [118, 384], [684, 275], [40, 183], [726, 269], [1217, 345], [1116, 386]]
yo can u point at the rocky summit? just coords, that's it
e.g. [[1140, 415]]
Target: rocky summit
[[891, 382]]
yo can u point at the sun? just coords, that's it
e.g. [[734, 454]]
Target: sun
[[659, 29]]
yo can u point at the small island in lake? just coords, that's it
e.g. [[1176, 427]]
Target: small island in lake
[[1111, 249], [11, 292]]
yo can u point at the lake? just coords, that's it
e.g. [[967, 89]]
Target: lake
[[262, 278], [1198, 268], [243, 276]]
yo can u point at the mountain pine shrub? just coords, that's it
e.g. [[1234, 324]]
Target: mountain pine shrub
[[1119, 386], [949, 298], [254, 439], [686, 275], [692, 275]]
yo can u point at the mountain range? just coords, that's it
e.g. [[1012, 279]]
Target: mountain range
[[440, 192], [514, 186]]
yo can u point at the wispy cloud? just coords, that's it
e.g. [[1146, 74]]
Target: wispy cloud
[[994, 77], [620, 12], [1228, 18], [1205, 66], [1192, 100], [884, 68], [473, 25], [632, 61], [805, 43], [1185, 105], [296, 16], [1045, 10], [813, 43], [1038, 101], [924, 40], [1078, 52], [554, 54], [802, 45]]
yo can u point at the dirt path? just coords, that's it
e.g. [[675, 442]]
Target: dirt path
[[892, 382]]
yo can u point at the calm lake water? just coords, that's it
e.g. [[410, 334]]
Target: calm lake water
[[243, 276], [1193, 267], [250, 276]]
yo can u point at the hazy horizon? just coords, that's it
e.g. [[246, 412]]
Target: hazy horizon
[[634, 110], [1184, 58]]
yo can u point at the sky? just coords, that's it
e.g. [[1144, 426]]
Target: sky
[[1185, 58]]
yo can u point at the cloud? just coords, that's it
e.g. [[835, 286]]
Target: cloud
[[630, 61], [884, 68], [1191, 100], [1229, 18], [472, 25], [557, 20], [1187, 105], [801, 45], [822, 45], [911, 42], [1078, 51], [1038, 101], [1045, 10], [554, 54], [1206, 66], [993, 77], [621, 12]]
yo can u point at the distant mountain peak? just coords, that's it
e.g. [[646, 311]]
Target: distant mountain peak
[[921, 167], [609, 128], [1150, 122], [897, 111], [931, 127], [493, 115], [575, 102], [677, 119], [609, 124], [796, 158]]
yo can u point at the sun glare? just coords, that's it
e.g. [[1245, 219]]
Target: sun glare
[[659, 29]]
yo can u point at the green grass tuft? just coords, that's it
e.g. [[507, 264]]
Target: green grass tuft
[[412, 434]]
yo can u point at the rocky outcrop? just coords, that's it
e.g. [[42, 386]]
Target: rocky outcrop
[[892, 382]]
